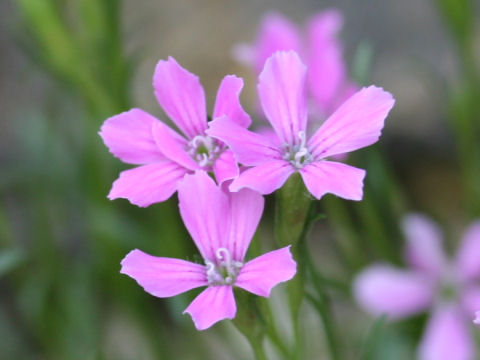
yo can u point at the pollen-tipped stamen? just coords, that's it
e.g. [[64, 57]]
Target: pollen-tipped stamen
[[204, 150], [298, 155], [225, 270]]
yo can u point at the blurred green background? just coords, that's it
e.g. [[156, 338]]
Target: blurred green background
[[67, 65]]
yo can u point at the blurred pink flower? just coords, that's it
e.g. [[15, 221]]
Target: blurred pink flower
[[327, 78], [165, 156], [449, 288], [272, 159], [222, 226]]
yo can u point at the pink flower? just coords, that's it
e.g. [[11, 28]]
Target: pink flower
[[164, 155], [355, 124], [222, 226], [449, 288], [327, 79]]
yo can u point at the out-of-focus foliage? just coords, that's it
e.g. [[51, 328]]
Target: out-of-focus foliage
[[80, 42], [463, 103], [459, 15], [61, 240]]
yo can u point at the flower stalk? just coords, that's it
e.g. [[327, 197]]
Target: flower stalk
[[250, 321], [292, 204]]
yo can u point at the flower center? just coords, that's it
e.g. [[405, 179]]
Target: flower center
[[449, 287], [204, 150], [298, 155], [224, 271]]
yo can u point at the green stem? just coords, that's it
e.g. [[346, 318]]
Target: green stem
[[302, 214], [373, 338], [250, 320], [377, 215], [322, 304], [279, 343], [292, 204], [347, 237], [459, 15], [273, 335], [297, 335], [257, 347], [463, 116], [323, 310]]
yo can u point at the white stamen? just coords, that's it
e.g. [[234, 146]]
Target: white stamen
[[225, 256], [204, 150], [303, 138], [202, 159], [298, 155], [210, 269], [225, 271], [201, 140]]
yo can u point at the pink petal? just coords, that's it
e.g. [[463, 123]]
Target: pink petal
[[281, 89], [249, 148], [468, 257], [215, 303], [424, 244], [270, 134], [205, 211], [342, 180], [128, 136], [381, 289], [148, 184], [264, 178], [246, 208], [163, 277], [356, 124], [261, 274], [276, 33], [181, 95], [446, 336], [173, 146], [339, 157], [225, 167], [470, 298], [228, 101], [326, 68]]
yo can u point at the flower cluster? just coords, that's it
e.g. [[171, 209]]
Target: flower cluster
[[222, 211]]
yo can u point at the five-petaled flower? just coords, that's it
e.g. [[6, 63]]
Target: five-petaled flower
[[355, 124], [327, 79], [449, 288], [222, 225], [165, 156]]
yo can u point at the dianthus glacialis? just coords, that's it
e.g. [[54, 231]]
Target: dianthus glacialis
[[270, 160], [222, 225], [164, 155]]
